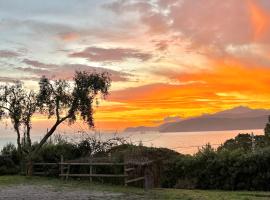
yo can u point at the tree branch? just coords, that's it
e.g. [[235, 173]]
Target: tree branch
[[52, 88], [57, 109], [7, 109]]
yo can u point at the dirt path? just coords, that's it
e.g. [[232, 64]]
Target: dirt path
[[31, 192]]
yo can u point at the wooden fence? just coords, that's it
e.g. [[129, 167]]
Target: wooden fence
[[131, 172]]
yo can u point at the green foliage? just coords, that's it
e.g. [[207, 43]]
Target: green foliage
[[52, 152], [86, 147], [65, 100], [267, 128], [233, 166], [241, 141], [19, 105], [223, 169], [133, 152], [9, 160], [92, 145], [11, 151], [244, 142], [87, 86], [7, 166]]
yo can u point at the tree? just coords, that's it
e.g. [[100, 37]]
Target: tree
[[61, 100], [267, 128], [19, 105], [241, 141]]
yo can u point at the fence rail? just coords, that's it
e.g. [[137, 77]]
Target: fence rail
[[93, 175], [128, 170], [93, 164]]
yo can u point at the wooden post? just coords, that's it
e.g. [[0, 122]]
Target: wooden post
[[61, 166], [68, 170], [91, 172], [31, 168], [125, 173], [148, 177]]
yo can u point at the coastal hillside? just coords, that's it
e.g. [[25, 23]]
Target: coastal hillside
[[239, 118]]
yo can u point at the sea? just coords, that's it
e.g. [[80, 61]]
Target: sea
[[182, 142]]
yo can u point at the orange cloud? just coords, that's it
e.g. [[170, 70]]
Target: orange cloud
[[260, 20], [224, 85]]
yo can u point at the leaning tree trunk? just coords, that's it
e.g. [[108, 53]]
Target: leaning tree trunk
[[29, 159], [34, 152], [29, 167]]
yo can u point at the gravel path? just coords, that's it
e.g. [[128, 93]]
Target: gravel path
[[31, 192]]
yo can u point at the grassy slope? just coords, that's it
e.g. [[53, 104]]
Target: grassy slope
[[152, 194]]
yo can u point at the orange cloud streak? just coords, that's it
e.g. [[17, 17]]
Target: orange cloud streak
[[260, 20], [225, 85]]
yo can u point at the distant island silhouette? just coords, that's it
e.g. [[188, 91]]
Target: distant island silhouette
[[238, 118]]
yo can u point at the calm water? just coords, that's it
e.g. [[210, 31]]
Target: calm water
[[183, 142], [188, 142]]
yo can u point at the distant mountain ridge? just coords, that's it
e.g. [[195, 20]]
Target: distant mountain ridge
[[238, 118]]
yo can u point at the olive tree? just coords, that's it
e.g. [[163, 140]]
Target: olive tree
[[19, 105], [60, 100], [65, 101]]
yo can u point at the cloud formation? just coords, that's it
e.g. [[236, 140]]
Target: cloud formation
[[7, 79], [110, 54], [210, 23], [38, 64], [188, 57], [8, 54], [66, 71]]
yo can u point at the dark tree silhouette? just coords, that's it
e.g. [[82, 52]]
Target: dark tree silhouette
[[267, 128], [61, 100], [19, 105]]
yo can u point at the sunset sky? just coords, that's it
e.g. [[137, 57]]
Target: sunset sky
[[167, 58]]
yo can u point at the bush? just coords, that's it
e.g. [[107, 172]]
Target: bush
[[11, 151], [52, 152], [7, 166], [233, 166], [9, 160], [228, 170]]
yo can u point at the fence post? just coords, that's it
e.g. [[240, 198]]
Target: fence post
[[91, 172], [148, 177], [125, 173], [61, 166], [31, 168]]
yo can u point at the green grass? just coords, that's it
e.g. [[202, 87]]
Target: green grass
[[6, 181]]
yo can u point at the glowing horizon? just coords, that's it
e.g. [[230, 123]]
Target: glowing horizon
[[167, 58]]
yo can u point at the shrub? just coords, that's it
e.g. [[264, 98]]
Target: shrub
[[7, 166], [11, 151]]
